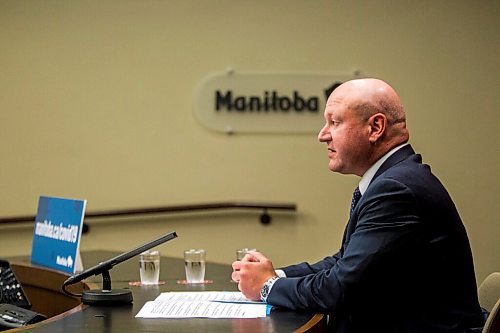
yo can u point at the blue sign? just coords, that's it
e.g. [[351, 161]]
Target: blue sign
[[56, 237]]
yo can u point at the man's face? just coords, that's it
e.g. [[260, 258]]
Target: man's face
[[346, 136]]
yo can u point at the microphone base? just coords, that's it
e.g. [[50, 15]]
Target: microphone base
[[107, 297]]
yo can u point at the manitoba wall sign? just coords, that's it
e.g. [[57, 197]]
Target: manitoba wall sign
[[232, 102]]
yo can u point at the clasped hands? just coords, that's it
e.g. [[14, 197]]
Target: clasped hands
[[251, 273]]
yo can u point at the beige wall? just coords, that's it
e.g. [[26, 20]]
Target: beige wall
[[96, 103]]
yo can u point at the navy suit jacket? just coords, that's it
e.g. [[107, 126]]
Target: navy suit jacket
[[405, 264]]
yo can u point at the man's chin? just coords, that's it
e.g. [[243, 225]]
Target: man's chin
[[334, 167]]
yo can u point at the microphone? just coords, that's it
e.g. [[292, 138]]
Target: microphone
[[108, 295]]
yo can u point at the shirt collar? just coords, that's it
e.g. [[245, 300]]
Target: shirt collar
[[368, 176]]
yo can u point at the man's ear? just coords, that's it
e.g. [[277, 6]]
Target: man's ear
[[378, 124]]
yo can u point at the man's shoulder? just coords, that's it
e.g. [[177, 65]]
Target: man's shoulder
[[408, 174], [402, 159], [403, 168]]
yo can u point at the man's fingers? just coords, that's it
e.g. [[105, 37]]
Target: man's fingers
[[236, 265], [255, 256], [235, 276], [249, 258]]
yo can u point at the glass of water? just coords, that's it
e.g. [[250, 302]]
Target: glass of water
[[194, 262], [149, 267], [240, 253]]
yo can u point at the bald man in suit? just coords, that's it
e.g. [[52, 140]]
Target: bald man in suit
[[405, 263]]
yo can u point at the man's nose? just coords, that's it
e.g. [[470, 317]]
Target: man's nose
[[324, 135]]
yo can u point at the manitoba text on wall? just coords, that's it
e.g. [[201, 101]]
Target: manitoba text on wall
[[233, 102]]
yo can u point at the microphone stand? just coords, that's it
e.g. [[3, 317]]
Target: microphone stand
[[107, 295]]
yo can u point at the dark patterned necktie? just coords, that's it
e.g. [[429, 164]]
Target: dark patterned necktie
[[355, 198]]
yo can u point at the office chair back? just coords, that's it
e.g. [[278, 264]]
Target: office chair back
[[489, 291], [492, 324]]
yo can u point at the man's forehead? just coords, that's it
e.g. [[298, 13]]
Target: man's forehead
[[337, 101]]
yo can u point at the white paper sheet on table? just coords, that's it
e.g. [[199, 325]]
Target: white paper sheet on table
[[220, 296], [205, 304]]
